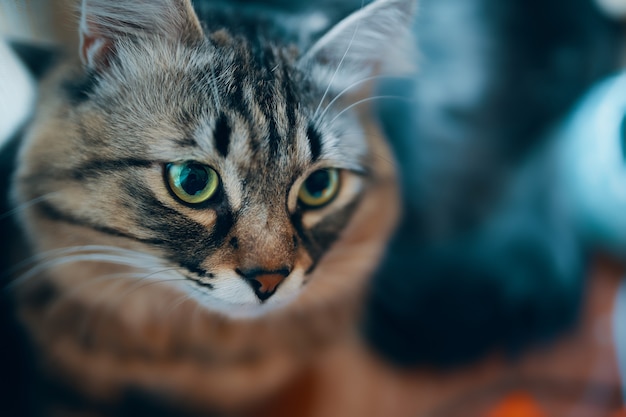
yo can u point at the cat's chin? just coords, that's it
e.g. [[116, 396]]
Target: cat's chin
[[243, 311]]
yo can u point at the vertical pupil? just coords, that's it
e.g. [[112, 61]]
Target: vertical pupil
[[317, 183], [193, 178]]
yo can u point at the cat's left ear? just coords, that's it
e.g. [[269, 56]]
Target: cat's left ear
[[105, 23], [377, 37]]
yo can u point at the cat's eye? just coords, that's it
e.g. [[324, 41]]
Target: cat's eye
[[319, 188], [192, 182]]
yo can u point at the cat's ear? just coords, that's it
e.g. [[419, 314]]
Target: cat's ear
[[104, 23], [376, 37]]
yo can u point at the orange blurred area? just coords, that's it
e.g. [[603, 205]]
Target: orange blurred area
[[575, 376], [517, 404]]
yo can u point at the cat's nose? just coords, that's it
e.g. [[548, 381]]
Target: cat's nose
[[264, 283]]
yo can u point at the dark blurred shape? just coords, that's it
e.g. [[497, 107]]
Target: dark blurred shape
[[38, 59], [13, 383], [485, 257]]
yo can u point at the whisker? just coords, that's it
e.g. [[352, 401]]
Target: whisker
[[386, 159], [356, 83], [88, 283], [389, 160], [199, 304], [194, 314], [108, 277], [64, 260], [179, 301], [93, 317], [388, 97], [26, 205], [74, 249], [332, 79]]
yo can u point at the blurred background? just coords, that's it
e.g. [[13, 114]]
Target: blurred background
[[500, 293]]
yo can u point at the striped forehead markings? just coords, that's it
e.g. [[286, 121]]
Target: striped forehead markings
[[263, 92], [221, 135], [315, 142]]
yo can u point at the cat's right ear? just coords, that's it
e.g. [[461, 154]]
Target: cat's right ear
[[376, 38], [105, 23]]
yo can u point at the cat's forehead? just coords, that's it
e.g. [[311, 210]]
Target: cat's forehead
[[235, 77], [225, 101], [256, 105]]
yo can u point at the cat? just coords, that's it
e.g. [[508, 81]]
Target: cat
[[200, 201]]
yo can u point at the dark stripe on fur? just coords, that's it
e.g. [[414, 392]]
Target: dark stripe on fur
[[327, 231], [315, 142], [201, 283], [52, 213], [221, 135], [96, 167], [290, 100], [273, 139], [224, 224], [203, 273], [187, 242], [235, 101], [320, 238], [267, 95], [305, 238]]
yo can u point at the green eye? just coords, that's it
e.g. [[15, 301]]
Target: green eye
[[320, 188], [192, 182]]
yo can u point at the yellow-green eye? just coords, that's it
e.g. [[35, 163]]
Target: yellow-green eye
[[320, 188], [192, 182]]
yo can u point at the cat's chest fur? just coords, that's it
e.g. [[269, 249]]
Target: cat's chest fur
[[203, 205]]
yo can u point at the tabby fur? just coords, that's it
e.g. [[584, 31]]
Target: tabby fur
[[128, 290]]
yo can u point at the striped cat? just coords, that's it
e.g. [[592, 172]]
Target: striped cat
[[203, 196]]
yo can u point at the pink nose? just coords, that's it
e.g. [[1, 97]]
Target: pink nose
[[269, 282], [264, 283]]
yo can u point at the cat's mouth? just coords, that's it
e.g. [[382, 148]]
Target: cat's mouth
[[244, 294]]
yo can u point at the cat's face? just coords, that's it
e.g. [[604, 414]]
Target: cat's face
[[230, 178], [218, 156]]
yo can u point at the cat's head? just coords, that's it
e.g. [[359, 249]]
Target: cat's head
[[213, 148]]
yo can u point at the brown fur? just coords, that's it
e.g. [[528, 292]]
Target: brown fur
[[99, 338], [209, 361]]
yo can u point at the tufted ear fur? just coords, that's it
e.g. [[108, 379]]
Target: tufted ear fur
[[376, 37], [104, 23]]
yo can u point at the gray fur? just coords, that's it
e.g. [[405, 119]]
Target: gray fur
[[156, 92]]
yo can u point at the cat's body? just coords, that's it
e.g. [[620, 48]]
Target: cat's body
[[142, 281]]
